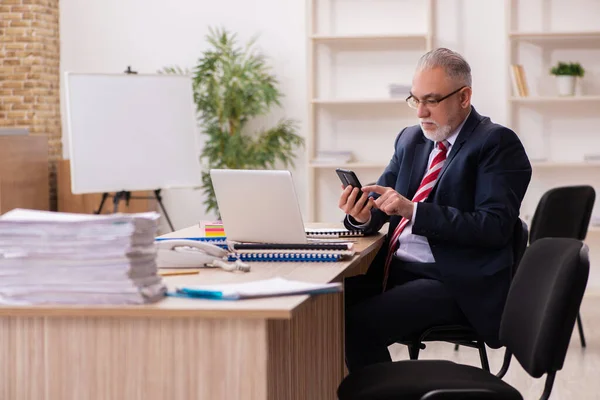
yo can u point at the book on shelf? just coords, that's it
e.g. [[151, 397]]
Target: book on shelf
[[591, 157], [519, 83], [399, 90], [333, 157]]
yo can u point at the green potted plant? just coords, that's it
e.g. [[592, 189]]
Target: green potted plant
[[566, 75], [232, 86]]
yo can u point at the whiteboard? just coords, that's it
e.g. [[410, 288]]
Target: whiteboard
[[131, 132]]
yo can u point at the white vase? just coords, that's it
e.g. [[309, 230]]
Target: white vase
[[565, 85]]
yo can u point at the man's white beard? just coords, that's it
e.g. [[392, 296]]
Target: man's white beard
[[440, 134]]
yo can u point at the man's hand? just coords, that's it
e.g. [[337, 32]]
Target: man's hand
[[361, 210], [391, 202]]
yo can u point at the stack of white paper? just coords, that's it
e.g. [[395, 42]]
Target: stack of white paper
[[61, 258]]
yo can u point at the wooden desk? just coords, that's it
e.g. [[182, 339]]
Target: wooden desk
[[277, 348]]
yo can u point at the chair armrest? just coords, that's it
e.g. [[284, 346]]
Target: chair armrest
[[461, 394]]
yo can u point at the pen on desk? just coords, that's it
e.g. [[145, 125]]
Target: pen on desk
[[172, 272]]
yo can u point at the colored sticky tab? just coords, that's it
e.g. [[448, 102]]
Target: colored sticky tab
[[212, 228]]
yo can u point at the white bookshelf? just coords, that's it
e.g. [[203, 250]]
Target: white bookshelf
[[552, 127], [360, 102], [350, 165], [556, 36], [376, 34], [535, 50], [559, 164], [556, 99], [368, 38]]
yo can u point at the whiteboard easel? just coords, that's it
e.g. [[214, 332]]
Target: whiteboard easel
[[131, 132]]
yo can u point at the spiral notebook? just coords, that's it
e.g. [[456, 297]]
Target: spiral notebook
[[297, 246], [333, 232], [292, 256], [217, 241]]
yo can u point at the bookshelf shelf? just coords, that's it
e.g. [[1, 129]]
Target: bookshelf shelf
[[356, 165], [362, 102], [555, 99], [367, 38], [555, 36]]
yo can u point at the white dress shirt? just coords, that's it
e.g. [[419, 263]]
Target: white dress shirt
[[415, 248]]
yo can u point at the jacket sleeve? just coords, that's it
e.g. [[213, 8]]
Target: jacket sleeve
[[388, 179], [504, 172]]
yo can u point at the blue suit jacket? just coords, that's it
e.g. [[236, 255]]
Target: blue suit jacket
[[468, 217]]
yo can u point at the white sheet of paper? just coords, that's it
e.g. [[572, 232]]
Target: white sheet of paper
[[264, 288]]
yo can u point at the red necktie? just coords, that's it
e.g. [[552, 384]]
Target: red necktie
[[424, 189]]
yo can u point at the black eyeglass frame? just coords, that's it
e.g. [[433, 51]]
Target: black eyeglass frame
[[431, 102]]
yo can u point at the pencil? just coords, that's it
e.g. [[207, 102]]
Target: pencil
[[170, 272]]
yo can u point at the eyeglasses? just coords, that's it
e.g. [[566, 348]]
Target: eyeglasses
[[413, 102]]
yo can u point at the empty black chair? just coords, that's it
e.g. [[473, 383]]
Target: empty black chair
[[465, 335], [537, 324], [564, 212]]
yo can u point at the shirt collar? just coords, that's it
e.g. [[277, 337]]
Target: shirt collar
[[452, 138]]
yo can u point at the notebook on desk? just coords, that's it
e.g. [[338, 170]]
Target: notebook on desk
[[261, 206]]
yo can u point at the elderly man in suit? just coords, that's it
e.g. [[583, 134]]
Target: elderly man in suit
[[451, 194]]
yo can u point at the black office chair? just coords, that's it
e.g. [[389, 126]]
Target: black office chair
[[465, 335], [564, 212], [537, 324]]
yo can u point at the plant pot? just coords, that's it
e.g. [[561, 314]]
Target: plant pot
[[565, 85]]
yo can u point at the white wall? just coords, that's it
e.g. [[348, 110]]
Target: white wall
[[108, 35]]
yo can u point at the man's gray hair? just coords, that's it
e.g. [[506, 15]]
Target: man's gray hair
[[454, 64]]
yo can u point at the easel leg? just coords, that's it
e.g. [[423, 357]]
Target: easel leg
[[162, 207], [99, 210], [116, 200]]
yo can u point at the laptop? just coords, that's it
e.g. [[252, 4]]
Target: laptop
[[258, 205]]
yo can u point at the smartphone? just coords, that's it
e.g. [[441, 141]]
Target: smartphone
[[349, 178]]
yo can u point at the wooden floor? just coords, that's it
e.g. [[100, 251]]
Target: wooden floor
[[579, 378]]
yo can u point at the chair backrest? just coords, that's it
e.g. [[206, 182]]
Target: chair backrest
[[543, 302], [563, 212], [520, 240]]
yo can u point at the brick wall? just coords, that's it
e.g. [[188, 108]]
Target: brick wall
[[29, 73]]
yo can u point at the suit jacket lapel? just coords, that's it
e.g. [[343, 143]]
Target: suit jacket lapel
[[470, 125]]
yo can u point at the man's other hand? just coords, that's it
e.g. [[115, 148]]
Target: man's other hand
[[390, 201], [359, 210]]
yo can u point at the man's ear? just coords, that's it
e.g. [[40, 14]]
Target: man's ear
[[465, 97]]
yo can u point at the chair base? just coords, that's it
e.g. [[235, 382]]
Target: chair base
[[457, 334]]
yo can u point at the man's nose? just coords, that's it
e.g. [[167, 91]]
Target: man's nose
[[422, 111]]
